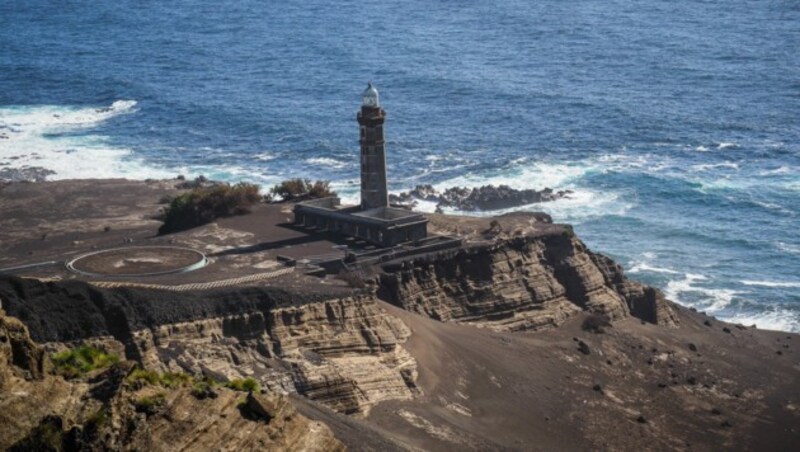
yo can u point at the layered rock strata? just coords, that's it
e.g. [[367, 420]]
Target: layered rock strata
[[524, 283], [102, 411], [346, 352]]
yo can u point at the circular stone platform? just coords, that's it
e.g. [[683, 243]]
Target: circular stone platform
[[138, 261]]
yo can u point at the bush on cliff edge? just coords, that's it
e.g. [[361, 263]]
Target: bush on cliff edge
[[204, 205], [299, 189]]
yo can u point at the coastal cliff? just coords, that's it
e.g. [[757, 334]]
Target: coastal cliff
[[105, 411], [397, 364], [524, 283], [345, 352], [407, 380]]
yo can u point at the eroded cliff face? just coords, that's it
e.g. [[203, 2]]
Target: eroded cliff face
[[345, 353], [525, 283], [104, 411]]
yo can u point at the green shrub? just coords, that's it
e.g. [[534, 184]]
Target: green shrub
[[176, 380], [204, 388], [149, 405], [320, 189], [246, 385], [298, 189], [80, 360], [144, 376], [204, 205]]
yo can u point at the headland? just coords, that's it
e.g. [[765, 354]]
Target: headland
[[516, 337]]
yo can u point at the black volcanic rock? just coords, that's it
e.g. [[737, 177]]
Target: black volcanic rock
[[26, 174], [488, 197]]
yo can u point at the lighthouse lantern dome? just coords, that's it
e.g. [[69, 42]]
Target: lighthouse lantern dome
[[370, 96]]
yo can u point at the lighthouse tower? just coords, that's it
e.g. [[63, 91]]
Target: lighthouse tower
[[374, 193]]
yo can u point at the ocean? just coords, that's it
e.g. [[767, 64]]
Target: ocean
[[675, 123]]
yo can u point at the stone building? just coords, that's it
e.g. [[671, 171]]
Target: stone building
[[373, 220]]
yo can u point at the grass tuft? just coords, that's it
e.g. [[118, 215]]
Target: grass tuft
[[78, 361], [246, 385]]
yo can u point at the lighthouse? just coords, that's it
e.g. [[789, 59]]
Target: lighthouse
[[373, 221], [374, 193]]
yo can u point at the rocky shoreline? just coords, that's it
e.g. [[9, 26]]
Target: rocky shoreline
[[522, 339], [485, 198], [25, 174]]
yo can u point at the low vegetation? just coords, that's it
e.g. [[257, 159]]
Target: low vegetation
[[200, 387], [166, 379], [245, 385], [300, 189], [204, 205], [78, 361], [149, 405]]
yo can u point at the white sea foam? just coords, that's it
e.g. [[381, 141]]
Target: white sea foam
[[775, 207], [701, 149], [712, 300], [725, 145], [425, 206], [327, 162], [434, 157], [709, 166], [719, 302], [780, 170], [537, 175], [775, 318], [639, 267], [264, 156], [35, 136], [791, 284], [791, 248], [578, 206]]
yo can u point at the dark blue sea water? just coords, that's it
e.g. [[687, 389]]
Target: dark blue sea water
[[676, 122]]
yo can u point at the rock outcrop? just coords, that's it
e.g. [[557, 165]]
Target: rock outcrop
[[487, 197], [345, 352], [24, 174], [525, 283], [102, 411]]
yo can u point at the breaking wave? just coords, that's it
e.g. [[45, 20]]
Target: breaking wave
[[688, 292], [327, 162], [791, 284], [56, 138]]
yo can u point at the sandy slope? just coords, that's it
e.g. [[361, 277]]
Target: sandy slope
[[535, 391]]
